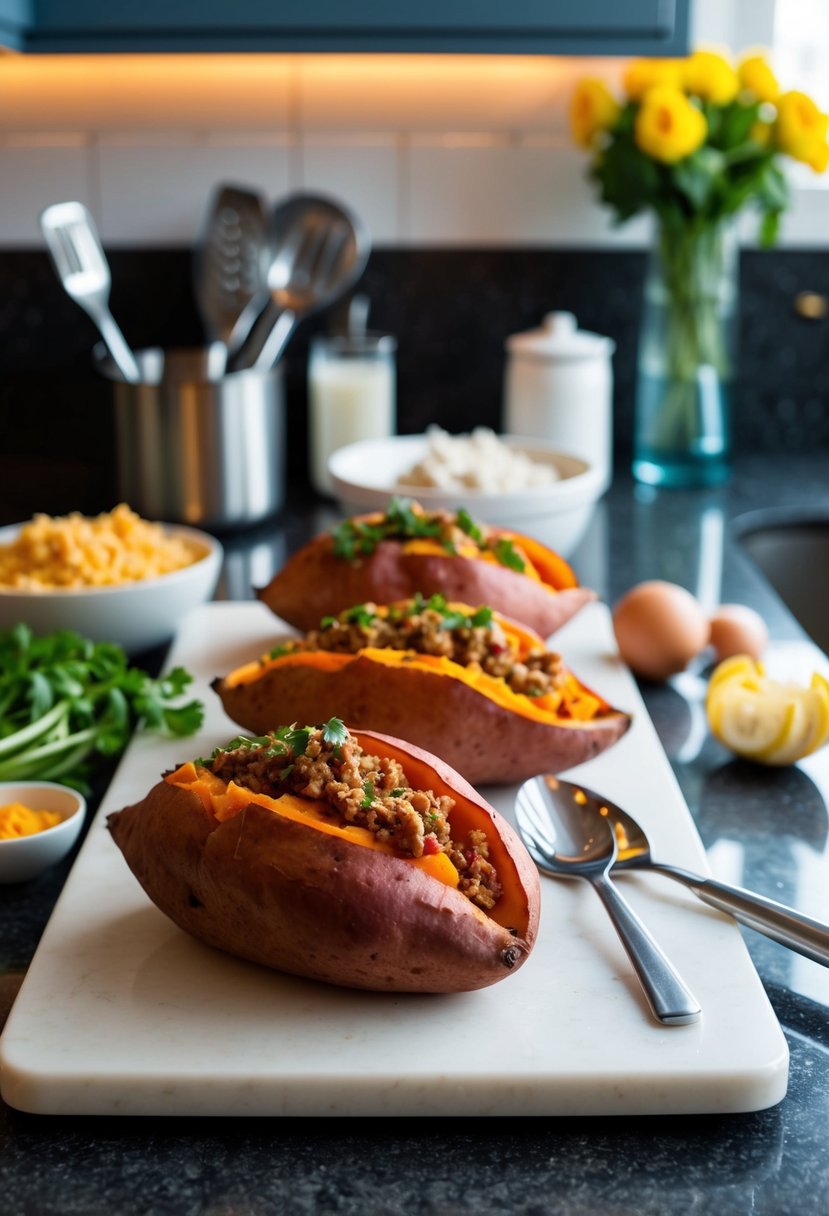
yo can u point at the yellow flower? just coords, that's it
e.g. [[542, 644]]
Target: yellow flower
[[644, 74], [668, 126], [756, 77], [711, 78], [801, 128], [819, 158], [593, 109]]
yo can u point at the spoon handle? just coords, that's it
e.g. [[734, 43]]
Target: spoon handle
[[784, 925], [671, 1001]]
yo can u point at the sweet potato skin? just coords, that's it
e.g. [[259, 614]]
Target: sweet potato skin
[[486, 742], [284, 895], [315, 583]]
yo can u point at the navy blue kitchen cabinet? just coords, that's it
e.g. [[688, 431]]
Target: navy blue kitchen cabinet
[[16, 20], [607, 27]]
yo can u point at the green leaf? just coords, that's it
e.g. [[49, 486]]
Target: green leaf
[[184, 720], [773, 189], [40, 694], [467, 524], [507, 554], [699, 177], [296, 738], [335, 732], [736, 121], [628, 180], [359, 615]]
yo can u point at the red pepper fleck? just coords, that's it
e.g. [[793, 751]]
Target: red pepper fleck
[[430, 845]]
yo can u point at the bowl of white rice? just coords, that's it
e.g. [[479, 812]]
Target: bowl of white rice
[[506, 480]]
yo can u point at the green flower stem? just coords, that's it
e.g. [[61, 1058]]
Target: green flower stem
[[695, 285]]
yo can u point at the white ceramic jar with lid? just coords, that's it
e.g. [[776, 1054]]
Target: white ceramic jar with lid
[[559, 387]]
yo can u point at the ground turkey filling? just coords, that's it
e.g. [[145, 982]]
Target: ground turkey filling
[[368, 791], [434, 627]]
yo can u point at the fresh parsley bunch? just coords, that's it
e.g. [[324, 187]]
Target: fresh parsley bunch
[[66, 703]]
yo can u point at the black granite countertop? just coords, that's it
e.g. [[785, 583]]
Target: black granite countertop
[[766, 829]]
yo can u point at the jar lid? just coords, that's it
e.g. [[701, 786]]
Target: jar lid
[[560, 338]]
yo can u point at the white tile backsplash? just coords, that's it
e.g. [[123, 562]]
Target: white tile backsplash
[[37, 172], [442, 151], [364, 171], [154, 189]]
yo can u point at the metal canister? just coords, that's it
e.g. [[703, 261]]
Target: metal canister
[[195, 450]]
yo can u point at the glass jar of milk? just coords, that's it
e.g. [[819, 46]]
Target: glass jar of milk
[[351, 396]]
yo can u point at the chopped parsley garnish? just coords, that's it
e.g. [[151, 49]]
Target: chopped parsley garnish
[[507, 554], [358, 615], [286, 741], [283, 648], [355, 538], [368, 794], [483, 616], [451, 618], [397, 793], [467, 524], [335, 731]]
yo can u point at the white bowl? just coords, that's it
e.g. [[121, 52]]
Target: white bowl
[[365, 477], [135, 615], [25, 857]]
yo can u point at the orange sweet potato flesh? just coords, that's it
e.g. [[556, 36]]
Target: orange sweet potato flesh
[[473, 721], [315, 582], [282, 893]]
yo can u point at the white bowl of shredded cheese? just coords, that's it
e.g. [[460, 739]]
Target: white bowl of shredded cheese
[[39, 823], [112, 578], [504, 480]]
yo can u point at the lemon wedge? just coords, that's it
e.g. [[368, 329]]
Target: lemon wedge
[[763, 719]]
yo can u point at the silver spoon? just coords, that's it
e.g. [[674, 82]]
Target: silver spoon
[[317, 252], [84, 272], [775, 920], [566, 842]]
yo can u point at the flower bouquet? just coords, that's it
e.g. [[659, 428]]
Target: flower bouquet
[[694, 141]]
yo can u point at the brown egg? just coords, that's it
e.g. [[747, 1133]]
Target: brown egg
[[737, 629], [659, 628]]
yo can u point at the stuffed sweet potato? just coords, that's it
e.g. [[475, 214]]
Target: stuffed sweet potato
[[348, 857], [387, 557], [467, 684]]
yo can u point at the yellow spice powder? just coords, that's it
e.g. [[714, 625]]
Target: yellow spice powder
[[18, 820], [74, 551]]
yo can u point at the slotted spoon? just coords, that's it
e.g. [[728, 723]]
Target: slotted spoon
[[229, 276]]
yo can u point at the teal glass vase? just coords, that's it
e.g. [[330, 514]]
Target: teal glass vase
[[686, 359]]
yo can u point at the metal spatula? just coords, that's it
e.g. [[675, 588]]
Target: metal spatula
[[229, 275], [84, 272]]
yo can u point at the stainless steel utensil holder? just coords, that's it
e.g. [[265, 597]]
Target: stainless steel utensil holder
[[195, 451]]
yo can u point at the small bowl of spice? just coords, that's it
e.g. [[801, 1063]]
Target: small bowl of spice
[[39, 823]]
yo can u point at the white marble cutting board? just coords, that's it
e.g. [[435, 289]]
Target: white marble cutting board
[[122, 1013]]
